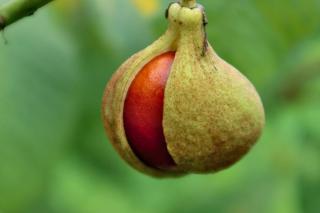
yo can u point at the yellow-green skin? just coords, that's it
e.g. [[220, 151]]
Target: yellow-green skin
[[212, 113]]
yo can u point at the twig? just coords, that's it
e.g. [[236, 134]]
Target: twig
[[14, 10]]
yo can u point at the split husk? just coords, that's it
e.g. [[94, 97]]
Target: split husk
[[212, 113]]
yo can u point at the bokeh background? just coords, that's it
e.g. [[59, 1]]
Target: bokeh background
[[55, 157]]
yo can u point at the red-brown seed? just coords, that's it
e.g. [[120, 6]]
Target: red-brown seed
[[143, 113]]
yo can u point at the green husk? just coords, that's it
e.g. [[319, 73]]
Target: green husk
[[212, 113], [212, 119]]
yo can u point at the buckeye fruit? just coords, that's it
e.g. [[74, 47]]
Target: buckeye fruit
[[176, 107]]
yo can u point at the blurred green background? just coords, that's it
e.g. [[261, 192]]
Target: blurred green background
[[55, 157]]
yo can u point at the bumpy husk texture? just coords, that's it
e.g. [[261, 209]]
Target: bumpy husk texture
[[212, 113]]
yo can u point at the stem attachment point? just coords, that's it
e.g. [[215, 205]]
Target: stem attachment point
[[188, 3]]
